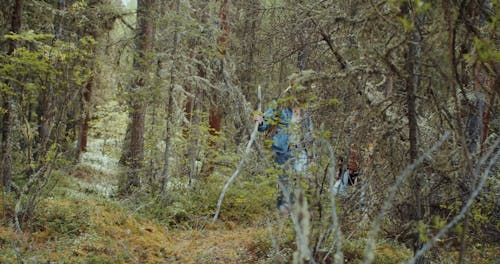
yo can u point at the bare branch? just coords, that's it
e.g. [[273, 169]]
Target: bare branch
[[242, 161], [126, 23], [339, 257], [468, 204], [370, 247]]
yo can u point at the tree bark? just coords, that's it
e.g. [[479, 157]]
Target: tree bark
[[170, 109], [216, 113], [248, 35], [223, 38], [7, 118], [412, 85], [6, 144], [144, 44], [487, 115], [474, 131], [84, 127], [44, 115]]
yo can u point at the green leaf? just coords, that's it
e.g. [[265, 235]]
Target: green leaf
[[407, 25]]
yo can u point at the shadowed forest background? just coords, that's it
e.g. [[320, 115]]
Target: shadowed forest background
[[121, 124]]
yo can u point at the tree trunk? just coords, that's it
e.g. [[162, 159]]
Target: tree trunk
[[194, 142], [216, 113], [487, 115], [170, 108], [302, 53], [215, 121], [86, 107], [474, 130], [144, 44], [6, 144], [43, 121], [7, 118], [474, 126], [84, 127], [248, 35], [412, 85], [222, 41]]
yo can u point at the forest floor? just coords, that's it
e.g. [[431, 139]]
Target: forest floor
[[80, 224], [82, 221], [84, 230], [78, 228]]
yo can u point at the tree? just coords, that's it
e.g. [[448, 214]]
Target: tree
[[412, 86], [42, 75], [169, 122], [134, 154], [7, 117]]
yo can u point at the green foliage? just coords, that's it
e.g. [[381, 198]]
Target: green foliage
[[41, 63], [353, 249], [247, 201], [29, 36], [407, 24], [37, 63], [422, 6], [422, 231], [7, 203], [40, 73], [482, 214], [266, 40], [262, 248], [386, 251], [484, 51], [438, 222], [62, 218], [391, 252]]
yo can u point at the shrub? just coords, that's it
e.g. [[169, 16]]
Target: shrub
[[62, 218], [246, 201]]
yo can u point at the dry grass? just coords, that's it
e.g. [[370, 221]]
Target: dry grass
[[91, 230], [78, 226]]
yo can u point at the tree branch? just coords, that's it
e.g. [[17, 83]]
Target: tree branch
[[370, 247], [338, 257], [127, 24], [468, 204], [242, 161]]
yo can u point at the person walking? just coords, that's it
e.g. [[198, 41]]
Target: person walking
[[289, 127]]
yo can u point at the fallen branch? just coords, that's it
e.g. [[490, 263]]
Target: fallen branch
[[237, 171]]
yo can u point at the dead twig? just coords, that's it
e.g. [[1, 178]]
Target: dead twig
[[468, 204], [370, 247], [242, 161], [339, 256]]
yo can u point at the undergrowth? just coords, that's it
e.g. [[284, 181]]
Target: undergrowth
[[193, 205], [80, 223]]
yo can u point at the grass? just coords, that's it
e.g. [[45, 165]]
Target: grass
[[79, 223]]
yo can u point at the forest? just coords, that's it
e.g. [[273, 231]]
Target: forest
[[249, 131]]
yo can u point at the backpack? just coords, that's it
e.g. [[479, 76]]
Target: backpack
[[273, 129]]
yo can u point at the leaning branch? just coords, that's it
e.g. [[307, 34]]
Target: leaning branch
[[242, 161], [468, 204], [338, 257], [340, 59], [127, 24], [370, 247]]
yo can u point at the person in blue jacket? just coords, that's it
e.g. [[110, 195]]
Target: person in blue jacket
[[289, 128]]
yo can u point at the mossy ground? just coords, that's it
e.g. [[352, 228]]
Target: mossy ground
[[79, 223]]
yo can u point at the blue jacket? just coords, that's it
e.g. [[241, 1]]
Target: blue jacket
[[281, 140]]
